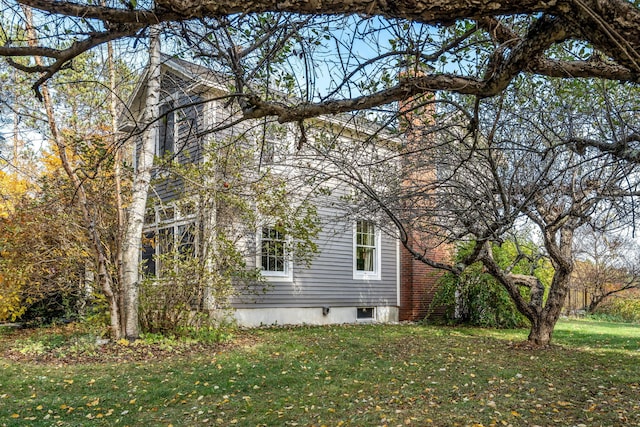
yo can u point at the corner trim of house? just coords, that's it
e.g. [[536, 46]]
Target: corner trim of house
[[398, 278]]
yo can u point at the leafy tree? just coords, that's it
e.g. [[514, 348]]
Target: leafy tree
[[76, 123], [13, 187]]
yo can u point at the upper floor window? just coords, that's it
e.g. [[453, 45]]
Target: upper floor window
[[178, 130], [274, 259], [366, 251], [166, 131], [274, 143]]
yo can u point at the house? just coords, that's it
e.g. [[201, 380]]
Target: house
[[359, 272]]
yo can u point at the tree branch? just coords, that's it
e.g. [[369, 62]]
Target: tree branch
[[62, 57]]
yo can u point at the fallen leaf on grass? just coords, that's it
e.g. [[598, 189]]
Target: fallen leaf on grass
[[94, 402]]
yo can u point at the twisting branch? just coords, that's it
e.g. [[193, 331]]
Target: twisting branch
[[623, 149], [63, 57]]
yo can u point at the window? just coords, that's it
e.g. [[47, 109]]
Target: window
[[366, 248], [149, 254], [167, 230], [185, 240], [178, 130], [166, 131], [274, 143], [274, 260], [365, 313]]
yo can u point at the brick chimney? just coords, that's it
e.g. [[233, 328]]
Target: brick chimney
[[418, 281]]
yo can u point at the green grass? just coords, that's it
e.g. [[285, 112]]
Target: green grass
[[348, 375]]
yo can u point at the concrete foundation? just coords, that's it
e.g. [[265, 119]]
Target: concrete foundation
[[253, 317]]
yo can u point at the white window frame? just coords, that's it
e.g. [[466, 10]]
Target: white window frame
[[373, 317], [377, 255], [275, 276]]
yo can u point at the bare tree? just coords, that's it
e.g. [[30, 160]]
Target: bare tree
[[139, 192], [606, 265], [482, 184]]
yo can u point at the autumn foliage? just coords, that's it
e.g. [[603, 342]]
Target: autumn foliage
[[45, 258], [43, 255]]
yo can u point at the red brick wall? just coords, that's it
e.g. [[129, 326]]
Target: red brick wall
[[418, 285]]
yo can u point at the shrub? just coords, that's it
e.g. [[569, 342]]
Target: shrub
[[176, 304], [60, 306], [620, 309], [475, 298]]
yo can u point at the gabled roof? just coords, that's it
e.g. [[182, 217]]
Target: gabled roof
[[188, 71], [201, 78]]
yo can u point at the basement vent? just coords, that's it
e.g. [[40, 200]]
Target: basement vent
[[365, 313]]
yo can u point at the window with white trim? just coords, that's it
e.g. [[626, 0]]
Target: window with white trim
[[273, 254], [365, 313], [274, 143], [366, 251]]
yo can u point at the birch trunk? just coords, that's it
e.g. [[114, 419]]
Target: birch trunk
[[104, 278], [117, 176], [140, 188]]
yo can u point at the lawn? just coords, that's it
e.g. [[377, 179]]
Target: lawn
[[365, 375]]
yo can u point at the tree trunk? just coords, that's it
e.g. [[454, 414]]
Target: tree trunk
[[104, 278], [543, 315], [140, 189], [544, 321], [541, 331], [596, 300], [117, 176]]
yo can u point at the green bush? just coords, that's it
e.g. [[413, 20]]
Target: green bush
[[208, 332], [61, 306], [620, 309], [475, 298]]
